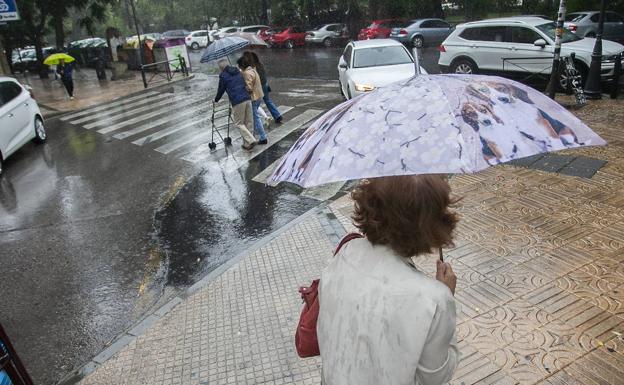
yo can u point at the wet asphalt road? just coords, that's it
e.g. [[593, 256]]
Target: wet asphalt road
[[96, 232]]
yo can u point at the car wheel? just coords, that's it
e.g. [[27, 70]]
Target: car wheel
[[195, 45], [418, 41], [289, 44], [349, 97], [40, 133], [1, 165], [327, 42], [464, 66]]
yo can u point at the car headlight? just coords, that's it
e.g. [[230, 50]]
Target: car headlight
[[364, 87]]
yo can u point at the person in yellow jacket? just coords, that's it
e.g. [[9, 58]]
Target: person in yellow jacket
[[254, 87]]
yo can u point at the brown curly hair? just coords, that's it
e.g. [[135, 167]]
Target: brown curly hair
[[408, 213]]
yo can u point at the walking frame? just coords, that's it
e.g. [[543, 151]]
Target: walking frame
[[220, 111]]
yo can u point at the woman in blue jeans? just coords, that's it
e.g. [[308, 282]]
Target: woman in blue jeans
[[252, 58]]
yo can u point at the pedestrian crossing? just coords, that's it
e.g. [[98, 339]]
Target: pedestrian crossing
[[179, 125]]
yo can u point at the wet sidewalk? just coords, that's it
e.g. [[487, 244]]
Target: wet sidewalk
[[540, 262], [88, 90]]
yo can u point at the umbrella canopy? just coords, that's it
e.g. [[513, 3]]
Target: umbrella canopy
[[223, 47], [55, 58], [254, 40], [431, 124]]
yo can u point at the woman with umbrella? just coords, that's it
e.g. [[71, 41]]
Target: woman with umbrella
[[380, 320], [64, 68]]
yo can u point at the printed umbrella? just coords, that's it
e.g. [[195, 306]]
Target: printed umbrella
[[55, 58], [223, 47], [431, 124]]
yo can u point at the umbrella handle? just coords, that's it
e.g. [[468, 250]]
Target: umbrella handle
[[441, 255]]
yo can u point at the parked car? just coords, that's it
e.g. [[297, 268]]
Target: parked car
[[265, 34], [325, 34], [20, 118], [289, 37], [253, 28], [585, 24], [518, 46], [174, 34], [26, 60], [379, 29], [223, 32], [422, 31], [369, 64], [198, 39]]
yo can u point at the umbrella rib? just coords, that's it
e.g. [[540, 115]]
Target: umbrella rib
[[407, 143], [357, 153]]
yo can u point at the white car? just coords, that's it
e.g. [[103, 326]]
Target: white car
[[517, 47], [20, 118], [369, 64], [253, 28], [223, 32], [198, 39]]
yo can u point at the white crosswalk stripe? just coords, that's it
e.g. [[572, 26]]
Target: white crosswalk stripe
[[134, 112], [122, 108], [180, 126], [106, 106]]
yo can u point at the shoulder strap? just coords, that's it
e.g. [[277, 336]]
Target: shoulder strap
[[347, 238]]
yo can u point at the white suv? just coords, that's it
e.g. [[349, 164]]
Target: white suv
[[517, 46]]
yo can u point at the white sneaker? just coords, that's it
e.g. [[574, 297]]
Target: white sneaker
[[71, 98]]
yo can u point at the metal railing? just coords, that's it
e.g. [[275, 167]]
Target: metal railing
[[10, 362], [163, 70]]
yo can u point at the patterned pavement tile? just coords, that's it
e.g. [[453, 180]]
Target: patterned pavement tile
[[520, 279], [485, 333], [482, 297], [476, 368], [601, 366], [585, 285], [521, 316], [522, 361]]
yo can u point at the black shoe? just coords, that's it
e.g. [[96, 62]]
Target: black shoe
[[264, 141], [278, 120]]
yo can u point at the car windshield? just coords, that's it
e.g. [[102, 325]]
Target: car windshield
[[575, 17], [549, 30], [380, 56]]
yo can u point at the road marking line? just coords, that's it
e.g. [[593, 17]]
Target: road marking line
[[319, 193], [180, 142], [166, 132], [201, 153], [139, 118], [122, 108], [154, 123], [323, 192], [241, 157], [107, 105], [134, 112], [264, 174]]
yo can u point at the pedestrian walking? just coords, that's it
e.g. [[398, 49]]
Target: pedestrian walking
[[66, 70], [254, 87], [381, 320], [253, 58], [231, 81]]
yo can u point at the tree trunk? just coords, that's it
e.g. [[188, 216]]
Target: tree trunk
[[264, 15], [43, 71], [311, 12], [437, 9], [59, 32]]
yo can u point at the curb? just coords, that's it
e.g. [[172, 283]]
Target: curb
[[333, 229]]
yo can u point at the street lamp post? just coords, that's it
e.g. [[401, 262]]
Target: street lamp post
[[593, 89], [136, 25], [555, 72]]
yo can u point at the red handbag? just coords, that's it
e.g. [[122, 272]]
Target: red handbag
[[306, 340]]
